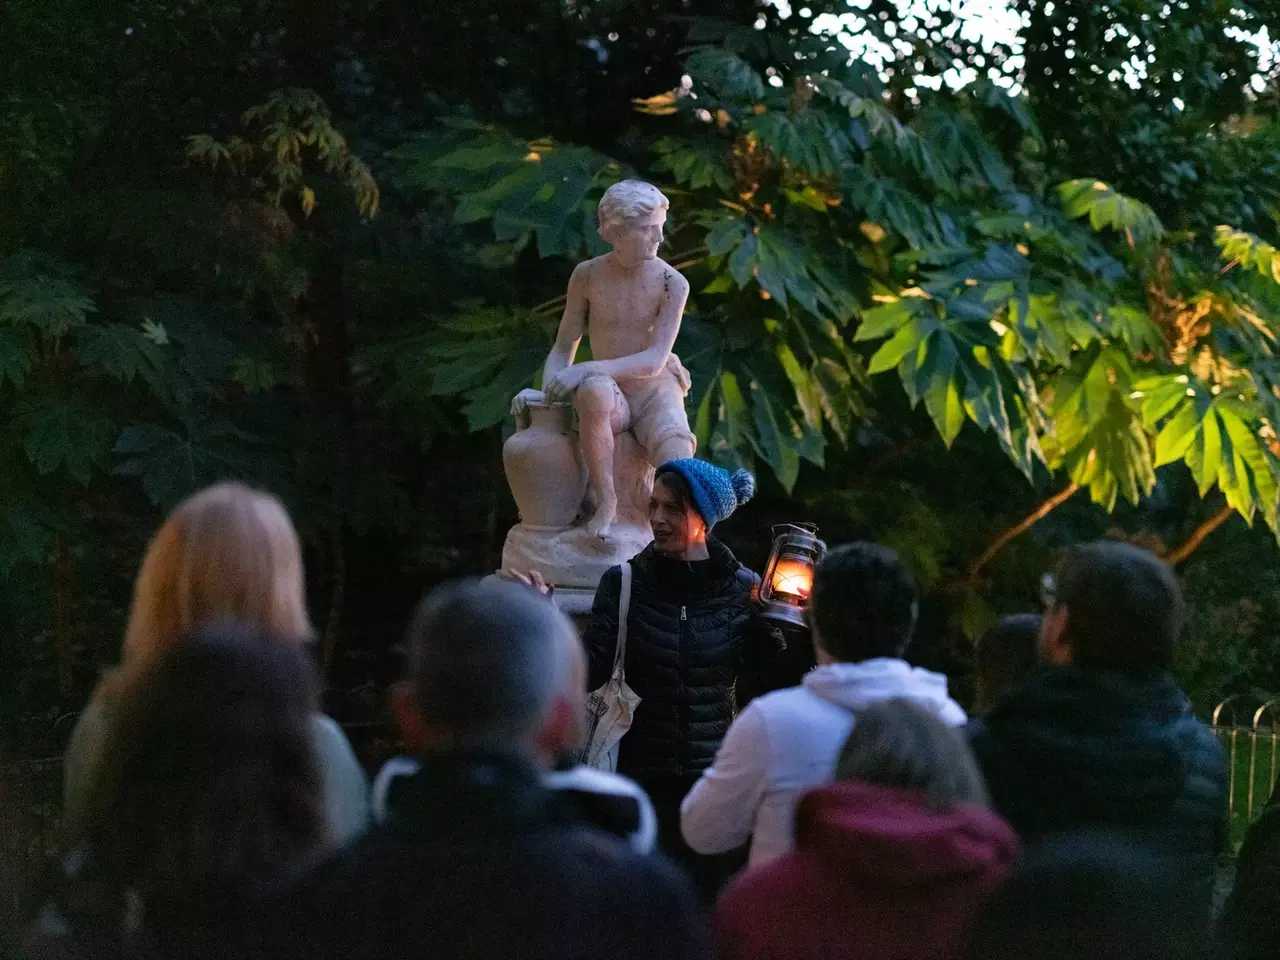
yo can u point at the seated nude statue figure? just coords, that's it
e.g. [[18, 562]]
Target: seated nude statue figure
[[630, 304]]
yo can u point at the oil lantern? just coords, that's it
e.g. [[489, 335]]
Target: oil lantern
[[788, 579]]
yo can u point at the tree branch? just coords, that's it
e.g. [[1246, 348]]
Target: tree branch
[[1022, 526], [1192, 543]]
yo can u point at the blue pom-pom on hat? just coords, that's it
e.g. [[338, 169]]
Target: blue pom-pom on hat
[[716, 492]]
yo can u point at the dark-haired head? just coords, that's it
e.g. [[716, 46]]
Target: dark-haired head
[[208, 788], [1115, 606], [1005, 655], [492, 664], [690, 496], [863, 604]]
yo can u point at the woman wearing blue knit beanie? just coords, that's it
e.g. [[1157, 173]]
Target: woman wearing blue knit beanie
[[691, 632]]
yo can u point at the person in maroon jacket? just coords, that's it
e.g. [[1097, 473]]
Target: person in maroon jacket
[[894, 861]]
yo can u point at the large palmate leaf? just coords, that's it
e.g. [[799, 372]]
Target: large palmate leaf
[[62, 433], [41, 293], [726, 74], [174, 463], [539, 189], [1218, 439], [121, 351], [1098, 431], [17, 353], [1107, 208], [1249, 251], [951, 364]]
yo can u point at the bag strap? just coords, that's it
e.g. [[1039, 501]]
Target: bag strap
[[624, 609]]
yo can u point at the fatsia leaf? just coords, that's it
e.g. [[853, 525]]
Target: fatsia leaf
[[17, 353], [778, 442], [1159, 396], [806, 390], [839, 397], [172, 465], [1106, 207], [42, 293], [725, 73], [725, 234], [65, 435], [1176, 437], [1248, 250], [905, 341], [119, 350], [734, 433], [887, 318], [937, 386]]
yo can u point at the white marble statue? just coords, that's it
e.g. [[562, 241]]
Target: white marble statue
[[629, 398]]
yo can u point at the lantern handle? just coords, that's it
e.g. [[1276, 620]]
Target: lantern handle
[[810, 528]]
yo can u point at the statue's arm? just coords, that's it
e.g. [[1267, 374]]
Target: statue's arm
[[573, 324], [650, 361]]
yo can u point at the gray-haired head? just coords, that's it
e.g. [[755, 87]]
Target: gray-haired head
[[487, 659]]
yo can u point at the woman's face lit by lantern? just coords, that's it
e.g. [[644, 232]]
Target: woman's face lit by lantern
[[793, 578], [675, 523]]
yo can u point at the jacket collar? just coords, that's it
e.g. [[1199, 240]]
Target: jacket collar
[[671, 575], [1091, 698], [473, 791]]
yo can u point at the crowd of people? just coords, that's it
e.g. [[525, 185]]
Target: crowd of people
[[771, 801]]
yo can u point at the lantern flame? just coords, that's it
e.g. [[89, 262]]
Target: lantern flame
[[793, 578]]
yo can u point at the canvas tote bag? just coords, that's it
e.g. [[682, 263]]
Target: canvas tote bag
[[611, 708]]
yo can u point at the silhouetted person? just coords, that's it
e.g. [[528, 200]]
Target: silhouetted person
[[1102, 736], [1249, 926], [1006, 654], [478, 858], [863, 616], [209, 792], [227, 553], [892, 861], [1092, 895], [691, 637]]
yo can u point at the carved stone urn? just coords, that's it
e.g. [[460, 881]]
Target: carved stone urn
[[544, 468]]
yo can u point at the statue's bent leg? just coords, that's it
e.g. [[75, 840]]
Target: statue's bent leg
[[602, 414], [659, 421]]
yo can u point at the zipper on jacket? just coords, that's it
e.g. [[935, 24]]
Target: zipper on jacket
[[683, 752]]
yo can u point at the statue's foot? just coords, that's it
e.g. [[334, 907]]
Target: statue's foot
[[602, 520]]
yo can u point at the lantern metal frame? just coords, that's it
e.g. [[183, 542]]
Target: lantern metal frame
[[796, 542]]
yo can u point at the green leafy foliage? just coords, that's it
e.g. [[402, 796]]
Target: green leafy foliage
[[1217, 436], [1249, 251], [1107, 208]]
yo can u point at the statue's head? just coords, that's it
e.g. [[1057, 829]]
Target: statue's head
[[631, 216]]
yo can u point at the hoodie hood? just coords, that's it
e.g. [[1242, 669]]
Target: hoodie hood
[[883, 836], [855, 686]]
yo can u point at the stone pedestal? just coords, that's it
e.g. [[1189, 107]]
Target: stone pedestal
[[569, 556]]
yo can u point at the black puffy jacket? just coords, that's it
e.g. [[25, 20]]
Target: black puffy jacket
[[1075, 748], [689, 631]]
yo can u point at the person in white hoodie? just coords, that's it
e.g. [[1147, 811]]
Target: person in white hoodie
[[862, 615]]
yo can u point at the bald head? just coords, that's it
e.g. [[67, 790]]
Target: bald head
[[493, 662]]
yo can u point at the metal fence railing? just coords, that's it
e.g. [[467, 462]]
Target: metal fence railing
[[1250, 733]]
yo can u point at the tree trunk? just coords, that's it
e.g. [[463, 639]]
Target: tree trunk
[[63, 652], [333, 623]]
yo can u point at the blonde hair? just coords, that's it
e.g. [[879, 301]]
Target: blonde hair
[[629, 200], [226, 553]]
